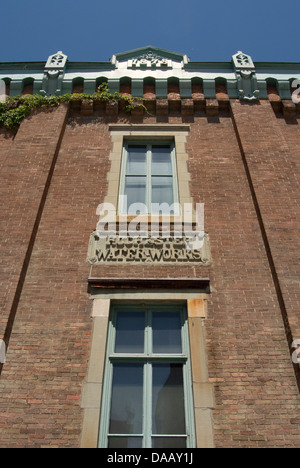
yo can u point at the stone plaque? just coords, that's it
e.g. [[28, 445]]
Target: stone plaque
[[160, 250]]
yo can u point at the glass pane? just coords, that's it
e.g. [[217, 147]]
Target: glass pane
[[135, 189], [161, 160], [126, 413], [168, 415], [166, 332], [130, 332], [168, 442], [136, 160], [162, 190], [125, 442]]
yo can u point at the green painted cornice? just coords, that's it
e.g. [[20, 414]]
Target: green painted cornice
[[208, 66], [21, 66], [84, 66], [244, 78]]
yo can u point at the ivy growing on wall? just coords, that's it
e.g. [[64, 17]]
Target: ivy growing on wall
[[15, 109]]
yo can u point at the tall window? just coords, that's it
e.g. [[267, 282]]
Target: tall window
[[148, 177], [147, 399]]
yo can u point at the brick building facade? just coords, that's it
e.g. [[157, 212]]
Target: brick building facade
[[235, 131]]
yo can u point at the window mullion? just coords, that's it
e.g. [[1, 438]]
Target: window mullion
[[147, 422], [147, 392], [149, 179], [149, 331], [108, 380], [175, 176], [187, 383], [123, 206]]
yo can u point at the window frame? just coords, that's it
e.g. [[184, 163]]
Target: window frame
[[122, 210], [148, 359]]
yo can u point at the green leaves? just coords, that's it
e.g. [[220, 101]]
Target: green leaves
[[15, 109]]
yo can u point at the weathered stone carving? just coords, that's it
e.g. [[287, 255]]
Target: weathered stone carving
[[243, 60], [53, 74], [246, 76], [149, 60], [57, 60], [147, 250]]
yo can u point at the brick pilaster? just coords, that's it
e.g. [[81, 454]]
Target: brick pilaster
[[273, 175], [25, 177]]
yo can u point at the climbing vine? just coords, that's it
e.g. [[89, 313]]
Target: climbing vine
[[14, 110]]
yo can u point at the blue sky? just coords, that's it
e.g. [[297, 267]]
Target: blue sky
[[93, 30]]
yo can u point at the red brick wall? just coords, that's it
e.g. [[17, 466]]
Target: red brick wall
[[6, 138], [49, 346], [273, 166], [257, 399], [24, 174], [249, 361]]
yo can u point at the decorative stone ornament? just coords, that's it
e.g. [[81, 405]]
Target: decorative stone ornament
[[150, 60], [54, 74], [163, 250], [243, 61], [246, 76], [57, 61]]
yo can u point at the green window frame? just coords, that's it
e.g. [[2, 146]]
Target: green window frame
[[149, 176], [159, 348]]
